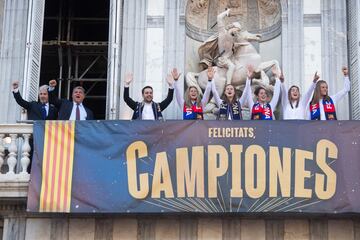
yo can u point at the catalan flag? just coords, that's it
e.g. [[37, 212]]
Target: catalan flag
[[57, 168]]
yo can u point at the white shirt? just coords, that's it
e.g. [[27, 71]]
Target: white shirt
[[273, 101], [148, 113], [83, 113], [47, 108], [336, 97], [295, 112]]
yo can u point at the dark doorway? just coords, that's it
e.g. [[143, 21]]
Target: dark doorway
[[75, 49]]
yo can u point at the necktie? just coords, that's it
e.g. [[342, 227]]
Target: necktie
[[43, 111], [77, 112]]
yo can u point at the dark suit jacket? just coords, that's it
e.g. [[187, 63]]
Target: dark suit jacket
[[34, 108], [133, 104], [65, 107]]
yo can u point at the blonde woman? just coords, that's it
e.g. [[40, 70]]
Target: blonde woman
[[322, 106], [192, 105]]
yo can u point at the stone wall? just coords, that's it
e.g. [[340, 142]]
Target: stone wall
[[24, 226]]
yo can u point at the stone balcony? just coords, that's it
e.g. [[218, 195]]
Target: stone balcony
[[15, 153]]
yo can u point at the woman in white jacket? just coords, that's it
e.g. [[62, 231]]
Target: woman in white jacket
[[193, 106], [230, 107], [293, 104], [263, 109], [322, 106]]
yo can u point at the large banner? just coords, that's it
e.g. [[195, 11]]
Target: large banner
[[195, 166]]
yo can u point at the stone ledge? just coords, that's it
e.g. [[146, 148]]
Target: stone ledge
[[16, 128], [17, 189]]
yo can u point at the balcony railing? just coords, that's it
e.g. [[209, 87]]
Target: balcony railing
[[15, 153]]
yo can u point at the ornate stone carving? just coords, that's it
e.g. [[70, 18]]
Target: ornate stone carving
[[262, 16], [198, 5], [230, 50]]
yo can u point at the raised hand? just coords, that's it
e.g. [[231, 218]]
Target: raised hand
[[129, 77], [345, 71], [250, 71], [276, 72], [15, 84], [170, 79], [282, 78], [211, 73], [316, 77], [175, 74], [52, 83]]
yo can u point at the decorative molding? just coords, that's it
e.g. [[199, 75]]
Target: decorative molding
[[14, 189], [155, 21], [312, 20], [16, 128], [12, 207]]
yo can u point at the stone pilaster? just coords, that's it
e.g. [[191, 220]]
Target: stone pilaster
[[133, 55], [174, 52], [293, 41], [114, 60], [12, 55], [14, 214], [353, 7], [334, 49]]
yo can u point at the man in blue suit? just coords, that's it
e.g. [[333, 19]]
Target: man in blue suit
[[70, 110]]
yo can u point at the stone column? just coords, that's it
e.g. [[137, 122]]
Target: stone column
[[334, 49], [12, 55], [133, 57], [2, 3], [293, 41], [14, 215], [353, 7], [114, 60], [174, 49]]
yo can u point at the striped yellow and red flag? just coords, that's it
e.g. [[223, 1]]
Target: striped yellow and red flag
[[57, 168]]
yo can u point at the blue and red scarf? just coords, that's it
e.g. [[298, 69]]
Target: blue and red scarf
[[233, 110], [329, 109], [193, 113], [260, 112]]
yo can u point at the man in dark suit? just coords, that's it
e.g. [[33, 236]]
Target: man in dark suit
[[40, 110], [147, 109], [70, 110]]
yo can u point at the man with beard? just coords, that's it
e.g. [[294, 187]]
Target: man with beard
[[70, 110], [147, 109], [40, 110]]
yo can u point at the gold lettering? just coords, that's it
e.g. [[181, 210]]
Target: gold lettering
[[236, 190], [161, 179], [279, 173], [140, 148], [301, 174], [183, 177], [216, 168], [325, 192], [252, 190]]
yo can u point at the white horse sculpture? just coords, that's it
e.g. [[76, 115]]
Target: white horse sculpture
[[244, 55]]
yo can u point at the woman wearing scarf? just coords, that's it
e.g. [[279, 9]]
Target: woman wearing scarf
[[230, 107], [192, 104], [293, 104], [263, 109], [322, 106]]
